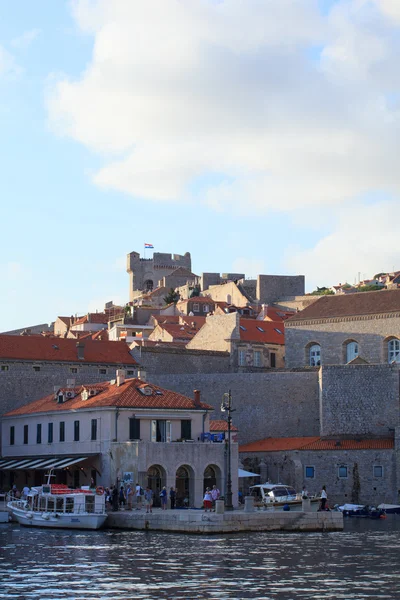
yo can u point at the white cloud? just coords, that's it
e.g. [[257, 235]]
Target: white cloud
[[8, 66], [25, 39]]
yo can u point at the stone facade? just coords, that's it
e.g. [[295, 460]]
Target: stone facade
[[176, 361], [146, 273], [270, 288]]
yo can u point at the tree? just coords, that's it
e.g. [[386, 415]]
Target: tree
[[171, 297], [195, 292], [322, 291]]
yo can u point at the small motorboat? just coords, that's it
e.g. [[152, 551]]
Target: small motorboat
[[390, 509], [280, 496], [58, 506], [361, 510]]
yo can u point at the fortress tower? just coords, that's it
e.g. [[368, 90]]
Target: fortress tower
[[146, 273]]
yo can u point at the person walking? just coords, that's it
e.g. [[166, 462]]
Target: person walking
[[324, 498], [148, 498], [172, 497], [139, 494], [129, 496], [164, 498], [122, 497], [207, 500], [114, 497], [215, 494]]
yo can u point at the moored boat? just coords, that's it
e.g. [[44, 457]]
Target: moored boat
[[390, 509], [281, 497], [361, 510], [56, 505]]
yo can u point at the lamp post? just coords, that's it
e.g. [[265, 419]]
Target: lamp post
[[226, 406]]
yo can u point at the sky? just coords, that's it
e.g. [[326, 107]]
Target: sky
[[259, 135]]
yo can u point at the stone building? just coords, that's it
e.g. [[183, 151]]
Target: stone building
[[116, 431], [338, 329], [147, 273]]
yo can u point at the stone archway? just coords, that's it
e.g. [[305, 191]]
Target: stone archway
[[184, 484], [212, 476], [156, 479]]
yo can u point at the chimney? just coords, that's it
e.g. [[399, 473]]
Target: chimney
[[193, 324], [80, 346], [142, 375], [120, 376], [196, 398]]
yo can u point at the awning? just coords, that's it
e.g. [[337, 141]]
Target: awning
[[53, 462], [243, 473]]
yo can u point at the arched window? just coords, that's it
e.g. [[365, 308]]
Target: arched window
[[315, 355], [394, 351], [351, 351], [148, 285]]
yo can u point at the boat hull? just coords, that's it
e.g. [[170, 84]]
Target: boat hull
[[293, 505], [59, 521]]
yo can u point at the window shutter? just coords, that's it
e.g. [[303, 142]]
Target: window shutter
[[154, 431], [168, 432]]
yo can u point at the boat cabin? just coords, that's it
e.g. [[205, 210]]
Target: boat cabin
[[269, 493]]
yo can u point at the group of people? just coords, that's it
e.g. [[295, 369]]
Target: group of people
[[124, 497], [210, 497]]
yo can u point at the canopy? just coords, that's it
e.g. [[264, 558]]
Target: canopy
[[243, 473], [40, 463]]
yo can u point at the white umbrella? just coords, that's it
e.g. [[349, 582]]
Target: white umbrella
[[243, 473]]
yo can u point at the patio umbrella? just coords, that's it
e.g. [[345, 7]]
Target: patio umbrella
[[243, 473]]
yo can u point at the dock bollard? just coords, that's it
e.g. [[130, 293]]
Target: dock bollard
[[249, 504], [219, 507]]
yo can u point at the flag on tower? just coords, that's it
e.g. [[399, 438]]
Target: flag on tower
[[149, 246]]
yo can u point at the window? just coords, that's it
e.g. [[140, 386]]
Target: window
[[39, 433], [130, 372], [315, 355], [242, 327], [196, 307], [93, 430], [257, 358], [50, 433], [62, 431], [36, 368], [342, 472], [12, 435], [26, 434], [103, 371], [378, 471], [73, 370], [160, 431], [4, 367], [278, 331], [186, 429], [351, 351], [206, 308], [134, 428], [242, 358], [394, 351], [260, 329], [310, 472], [272, 359], [76, 431]]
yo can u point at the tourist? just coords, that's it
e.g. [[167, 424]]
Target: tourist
[[108, 498], [139, 494], [304, 493], [148, 498], [122, 497], [324, 498], [215, 494], [129, 496], [172, 497], [207, 500], [164, 498], [114, 497], [15, 492], [25, 492]]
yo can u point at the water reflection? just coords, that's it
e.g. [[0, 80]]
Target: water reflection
[[360, 563]]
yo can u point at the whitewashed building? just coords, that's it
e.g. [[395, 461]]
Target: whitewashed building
[[113, 432]]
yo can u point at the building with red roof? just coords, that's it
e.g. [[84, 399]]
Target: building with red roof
[[112, 432]]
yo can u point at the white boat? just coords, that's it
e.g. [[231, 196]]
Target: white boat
[[279, 496], [56, 505]]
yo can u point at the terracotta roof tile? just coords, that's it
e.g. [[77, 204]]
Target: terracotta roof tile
[[39, 348], [358, 304], [221, 425], [266, 332], [127, 395], [316, 443]]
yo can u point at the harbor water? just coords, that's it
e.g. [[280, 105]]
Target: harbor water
[[362, 562]]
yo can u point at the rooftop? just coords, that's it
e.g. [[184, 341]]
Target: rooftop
[[317, 443]]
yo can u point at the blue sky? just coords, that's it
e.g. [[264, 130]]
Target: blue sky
[[259, 136]]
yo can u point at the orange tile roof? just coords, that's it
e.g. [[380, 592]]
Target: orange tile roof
[[316, 443], [221, 425], [127, 395], [179, 331], [277, 314], [39, 348], [358, 304], [266, 332], [92, 318]]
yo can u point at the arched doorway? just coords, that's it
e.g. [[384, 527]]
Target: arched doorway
[[184, 484], [210, 477], [156, 479], [148, 285]]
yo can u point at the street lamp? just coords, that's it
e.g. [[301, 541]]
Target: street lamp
[[226, 406]]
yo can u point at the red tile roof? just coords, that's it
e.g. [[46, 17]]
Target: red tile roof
[[221, 425], [358, 304], [277, 314], [127, 395], [316, 443], [179, 331], [265, 332], [92, 318], [39, 348]]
